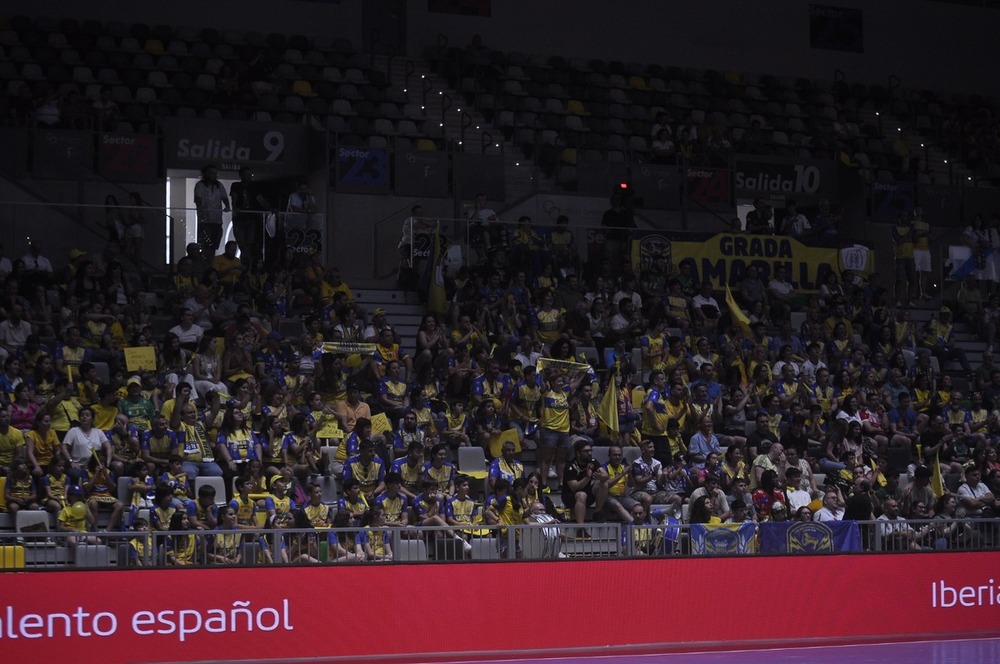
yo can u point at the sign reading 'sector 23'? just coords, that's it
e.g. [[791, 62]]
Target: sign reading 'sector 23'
[[267, 147]]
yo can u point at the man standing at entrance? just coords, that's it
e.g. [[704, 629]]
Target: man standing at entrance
[[249, 206], [211, 201]]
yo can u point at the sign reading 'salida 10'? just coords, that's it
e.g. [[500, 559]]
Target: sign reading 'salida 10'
[[778, 178], [275, 148]]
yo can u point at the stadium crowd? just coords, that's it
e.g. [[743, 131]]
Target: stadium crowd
[[734, 412]]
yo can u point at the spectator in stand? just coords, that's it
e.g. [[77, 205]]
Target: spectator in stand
[[37, 268], [106, 111], [249, 207], [903, 237], [826, 225], [662, 124], [14, 331], [664, 150], [187, 331], [976, 497], [228, 88], [415, 222], [795, 224], [760, 220], [833, 506], [302, 200], [938, 340], [752, 288], [211, 201], [922, 252], [619, 218]]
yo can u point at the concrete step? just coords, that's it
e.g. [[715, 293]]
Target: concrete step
[[385, 296]]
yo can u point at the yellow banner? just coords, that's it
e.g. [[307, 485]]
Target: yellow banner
[[140, 358], [723, 259], [571, 368], [348, 347]]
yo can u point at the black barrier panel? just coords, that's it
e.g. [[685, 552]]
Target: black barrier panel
[[14, 148], [61, 153], [776, 178], [475, 173], [419, 173], [708, 188], [127, 157], [979, 201], [266, 147], [942, 204], [599, 177], [891, 198], [659, 187], [361, 170]]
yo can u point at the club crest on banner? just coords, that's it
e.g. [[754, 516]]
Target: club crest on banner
[[809, 537]]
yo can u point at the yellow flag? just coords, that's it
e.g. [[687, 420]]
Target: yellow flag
[[437, 297], [607, 410], [937, 482], [739, 318]]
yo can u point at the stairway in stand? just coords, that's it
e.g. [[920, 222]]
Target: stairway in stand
[[964, 335], [403, 311]]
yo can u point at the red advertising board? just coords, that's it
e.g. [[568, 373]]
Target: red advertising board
[[344, 612]]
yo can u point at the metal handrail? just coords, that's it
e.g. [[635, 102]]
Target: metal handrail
[[476, 542]]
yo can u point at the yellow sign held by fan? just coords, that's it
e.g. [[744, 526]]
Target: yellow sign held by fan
[[497, 440], [140, 358], [380, 424]]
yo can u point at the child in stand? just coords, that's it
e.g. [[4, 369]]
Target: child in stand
[[456, 430], [181, 550], [20, 493], [373, 541], [54, 484], [103, 494], [177, 480], [75, 518], [140, 547]]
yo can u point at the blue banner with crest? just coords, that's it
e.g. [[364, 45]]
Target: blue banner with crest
[[810, 537], [722, 539]]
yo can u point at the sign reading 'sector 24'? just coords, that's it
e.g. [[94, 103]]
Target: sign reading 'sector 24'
[[767, 177], [267, 147]]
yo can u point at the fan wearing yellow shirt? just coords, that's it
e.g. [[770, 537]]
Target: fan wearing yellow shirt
[[504, 508], [554, 425], [74, 518], [903, 236], [461, 509], [619, 501], [393, 503], [653, 345], [548, 319], [12, 442], [387, 350]]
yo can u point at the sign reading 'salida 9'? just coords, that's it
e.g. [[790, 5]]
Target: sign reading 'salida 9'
[[723, 259], [266, 147]]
